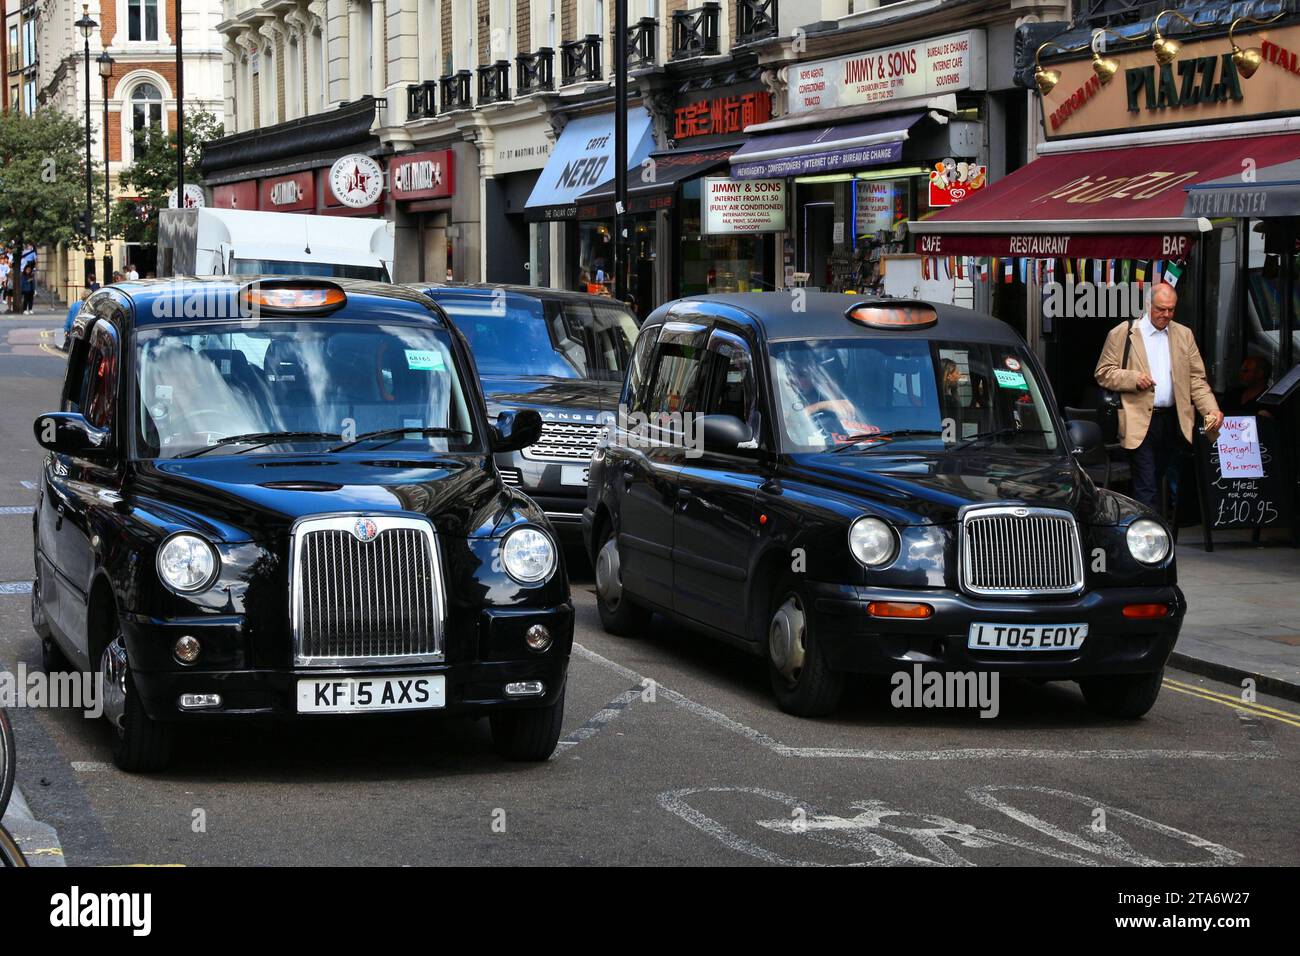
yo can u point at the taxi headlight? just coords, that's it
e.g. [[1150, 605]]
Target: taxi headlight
[[872, 542], [187, 563], [528, 555], [1148, 541]]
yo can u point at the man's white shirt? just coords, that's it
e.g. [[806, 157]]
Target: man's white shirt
[[1158, 360]]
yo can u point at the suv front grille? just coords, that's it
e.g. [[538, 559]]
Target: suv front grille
[[378, 601], [1020, 552], [565, 441]]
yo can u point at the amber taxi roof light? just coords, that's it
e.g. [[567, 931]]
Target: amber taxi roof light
[[289, 296], [894, 315]]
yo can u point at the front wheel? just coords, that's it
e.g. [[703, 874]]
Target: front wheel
[[1129, 696], [528, 734], [618, 613], [140, 743], [802, 680]]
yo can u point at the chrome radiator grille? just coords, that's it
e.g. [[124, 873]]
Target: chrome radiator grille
[[1015, 551], [565, 441], [361, 601]]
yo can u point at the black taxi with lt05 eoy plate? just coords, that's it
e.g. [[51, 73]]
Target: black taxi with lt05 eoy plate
[[277, 498], [865, 485]]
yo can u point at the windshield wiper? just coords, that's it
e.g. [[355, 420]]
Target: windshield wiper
[[853, 440], [999, 433], [395, 433], [257, 439]]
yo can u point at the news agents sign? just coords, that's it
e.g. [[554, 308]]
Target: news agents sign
[[743, 206], [945, 64]]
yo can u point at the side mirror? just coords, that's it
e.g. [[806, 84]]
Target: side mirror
[[516, 429], [68, 433], [726, 434], [1085, 437]]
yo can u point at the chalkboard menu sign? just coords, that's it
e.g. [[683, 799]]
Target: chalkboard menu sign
[[1245, 477]]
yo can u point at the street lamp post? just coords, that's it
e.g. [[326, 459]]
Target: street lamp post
[[105, 62], [88, 26]]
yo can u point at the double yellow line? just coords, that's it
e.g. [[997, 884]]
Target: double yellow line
[[46, 335], [1228, 700]]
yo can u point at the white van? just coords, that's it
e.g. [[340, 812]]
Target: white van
[[206, 242]]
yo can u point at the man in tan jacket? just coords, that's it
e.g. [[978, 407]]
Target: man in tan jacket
[[1162, 388]]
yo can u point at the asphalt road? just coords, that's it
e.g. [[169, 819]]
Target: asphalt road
[[674, 754]]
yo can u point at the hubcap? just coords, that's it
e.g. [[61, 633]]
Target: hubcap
[[609, 580], [112, 667], [787, 639]]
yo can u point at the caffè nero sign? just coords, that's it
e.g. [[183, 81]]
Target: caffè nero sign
[[1202, 85]]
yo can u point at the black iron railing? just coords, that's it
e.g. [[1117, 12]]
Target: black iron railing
[[642, 43], [755, 20], [696, 32], [535, 72], [580, 60], [494, 82], [422, 100], [454, 88]]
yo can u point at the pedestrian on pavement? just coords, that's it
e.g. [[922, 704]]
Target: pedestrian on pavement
[[28, 289], [7, 293], [1161, 381], [130, 272]]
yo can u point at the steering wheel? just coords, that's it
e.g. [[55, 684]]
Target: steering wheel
[[192, 419]]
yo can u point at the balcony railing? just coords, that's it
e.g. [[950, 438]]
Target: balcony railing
[[580, 60], [455, 91], [535, 72], [642, 43], [695, 32], [422, 100], [494, 82], [755, 20]]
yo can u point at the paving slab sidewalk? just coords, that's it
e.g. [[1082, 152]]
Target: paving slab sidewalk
[[1243, 610]]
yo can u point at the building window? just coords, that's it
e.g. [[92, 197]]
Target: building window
[[146, 110], [142, 19]]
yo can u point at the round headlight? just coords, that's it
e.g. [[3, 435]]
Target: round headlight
[[528, 555], [1148, 541], [872, 542], [187, 563]]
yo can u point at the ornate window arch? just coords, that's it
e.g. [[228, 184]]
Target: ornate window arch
[[144, 96]]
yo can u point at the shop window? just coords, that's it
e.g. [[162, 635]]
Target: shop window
[[728, 263]]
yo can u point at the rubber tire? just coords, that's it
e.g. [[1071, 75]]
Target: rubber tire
[[818, 690], [528, 735], [8, 762], [40, 623], [629, 619], [1129, 696], [143, 745]]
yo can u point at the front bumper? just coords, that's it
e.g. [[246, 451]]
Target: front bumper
[[855, 641]]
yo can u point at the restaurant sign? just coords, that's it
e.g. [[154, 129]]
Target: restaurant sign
[[1059, 246], [721, 115], [946, 64], [1201, 86]]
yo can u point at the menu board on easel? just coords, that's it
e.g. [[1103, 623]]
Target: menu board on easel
[[1244, 477]]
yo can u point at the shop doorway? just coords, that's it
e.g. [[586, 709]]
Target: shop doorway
[[818, 235], [143, 256]]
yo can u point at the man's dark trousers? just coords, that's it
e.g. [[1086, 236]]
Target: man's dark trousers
[[1151, 459]]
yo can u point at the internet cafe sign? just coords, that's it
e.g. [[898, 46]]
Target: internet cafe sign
[[945, 64], [1201, 85], [743, 206]]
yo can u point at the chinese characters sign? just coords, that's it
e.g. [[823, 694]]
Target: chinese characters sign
[[721, 115]]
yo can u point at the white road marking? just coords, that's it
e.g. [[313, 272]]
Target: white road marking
[[90, 766], [15, 509], [596, 723], [956, 753], [15, 587], [29, 485]]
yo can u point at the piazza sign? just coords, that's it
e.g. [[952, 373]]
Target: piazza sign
[[742, 206], [925, 68]]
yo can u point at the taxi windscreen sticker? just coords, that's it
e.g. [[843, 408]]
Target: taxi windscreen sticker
[[1008, 379], [424, 360]]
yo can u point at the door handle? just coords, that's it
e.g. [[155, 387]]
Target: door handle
[[684, 497], [628, 474]]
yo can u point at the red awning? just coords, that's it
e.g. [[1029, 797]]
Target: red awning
[[1121, 203]]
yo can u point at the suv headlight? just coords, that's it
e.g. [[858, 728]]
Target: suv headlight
[[1148, 541], [187, 563], [872, 542], [528, 555]]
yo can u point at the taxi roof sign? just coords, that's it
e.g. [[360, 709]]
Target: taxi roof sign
[[894, 315], [294, 296]]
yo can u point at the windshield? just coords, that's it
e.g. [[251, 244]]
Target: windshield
[[284, 267], [330, 382], [945, 395], [512, 334]]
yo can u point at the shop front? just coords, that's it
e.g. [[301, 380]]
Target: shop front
[[520, 251], [423, 184], [583, 246], [861, 139]]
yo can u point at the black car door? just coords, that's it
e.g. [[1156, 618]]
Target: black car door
[[648, 458], [714, 528], [79, 486]]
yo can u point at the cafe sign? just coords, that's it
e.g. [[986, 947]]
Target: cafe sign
[[946, 64], [1202, 85], [743, 206]]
